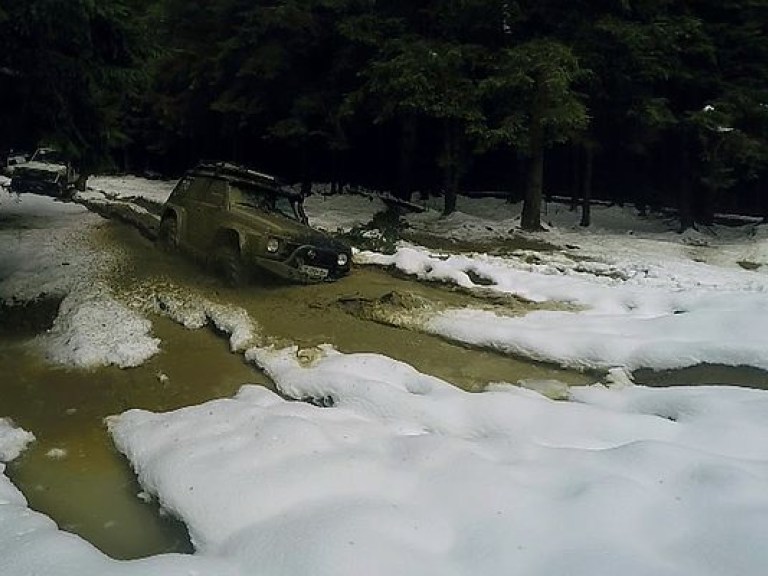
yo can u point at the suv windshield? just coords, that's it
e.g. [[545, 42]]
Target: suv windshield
[[269, 201], [49, 156]]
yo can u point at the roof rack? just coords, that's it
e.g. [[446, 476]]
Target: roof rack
[[231, 169], [240, 174]]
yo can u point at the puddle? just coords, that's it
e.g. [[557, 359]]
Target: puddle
[[73, 473], [25, 319], [748, 265], [704, 375]]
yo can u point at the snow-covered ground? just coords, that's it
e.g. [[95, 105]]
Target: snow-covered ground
[[127, 187], [48, 251], [393, 471], [647, 296], [406, 474]]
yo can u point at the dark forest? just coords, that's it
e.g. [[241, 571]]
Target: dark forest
[[660, 103]]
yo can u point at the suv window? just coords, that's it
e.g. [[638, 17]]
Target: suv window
[[266, 200], [216, 193], [49, 156], [196, 189]]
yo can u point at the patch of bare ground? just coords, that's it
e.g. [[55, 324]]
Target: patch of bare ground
[[704, 375]]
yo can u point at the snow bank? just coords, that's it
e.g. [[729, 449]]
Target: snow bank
[[406, 474], [194, 311], [636, 309], [49, 251], [723, 329], [13, 440], [94, 329], [341, 212], [45, 246]]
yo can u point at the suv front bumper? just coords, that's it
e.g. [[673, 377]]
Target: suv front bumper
[[28, 185], [307, 265]]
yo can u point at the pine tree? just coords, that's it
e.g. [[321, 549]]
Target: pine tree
[[68, 64]]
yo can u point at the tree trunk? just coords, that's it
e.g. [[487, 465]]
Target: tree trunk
[[589, 161], [126, 160], [576, 177], [685, 196], [706, 205], [81, 182], [407, 151], [531, 217], [451, 165]]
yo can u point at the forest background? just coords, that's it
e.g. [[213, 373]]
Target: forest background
[[662, 103]]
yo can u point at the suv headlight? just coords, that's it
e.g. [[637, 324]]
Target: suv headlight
[[273, 245], [342, 259]]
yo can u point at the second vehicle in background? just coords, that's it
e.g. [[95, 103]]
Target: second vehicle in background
[[47, 172]]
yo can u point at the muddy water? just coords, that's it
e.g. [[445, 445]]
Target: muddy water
[[317, 314], [73, 474]]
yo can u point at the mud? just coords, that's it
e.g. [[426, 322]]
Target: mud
[[320, 313], [72, 472]]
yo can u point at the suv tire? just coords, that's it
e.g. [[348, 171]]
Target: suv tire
[[230, 265], [168, 234]]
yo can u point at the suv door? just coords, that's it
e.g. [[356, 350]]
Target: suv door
[[195, 211], [209, 203]]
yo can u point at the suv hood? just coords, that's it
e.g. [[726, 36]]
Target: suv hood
[[296, 232], [38, 167]]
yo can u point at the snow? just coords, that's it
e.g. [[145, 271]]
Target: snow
[[406, 474], [341, 212], [195, 311], [94, 329], [13, 440], [49, 252], [364, 464], [45, 246], [127, 187], [652, 299]]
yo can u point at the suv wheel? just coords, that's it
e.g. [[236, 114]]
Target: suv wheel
[[230, 265], [168, 234]]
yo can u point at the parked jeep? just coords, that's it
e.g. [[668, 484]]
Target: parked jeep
[[12, 161], [245, 222], [47, 172]]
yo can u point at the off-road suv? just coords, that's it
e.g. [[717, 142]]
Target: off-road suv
[[244, 222], [48, 172]]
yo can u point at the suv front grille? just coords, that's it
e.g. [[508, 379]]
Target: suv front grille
[[317, 256]]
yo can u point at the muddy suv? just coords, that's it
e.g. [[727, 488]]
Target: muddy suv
[[48, 172], [245, 222]]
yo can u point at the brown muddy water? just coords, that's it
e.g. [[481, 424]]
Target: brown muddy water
[[72, 472]]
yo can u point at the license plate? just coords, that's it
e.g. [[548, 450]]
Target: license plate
[[314, 272]]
